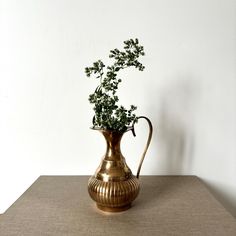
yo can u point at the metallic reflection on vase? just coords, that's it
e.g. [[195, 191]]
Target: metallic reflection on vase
[[113, 187]]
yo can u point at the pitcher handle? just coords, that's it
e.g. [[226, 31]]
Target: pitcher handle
[[147, 144]]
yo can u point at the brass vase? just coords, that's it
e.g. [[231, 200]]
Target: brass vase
[[113, 186]]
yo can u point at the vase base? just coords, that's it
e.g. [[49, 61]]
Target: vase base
[[114, 209]]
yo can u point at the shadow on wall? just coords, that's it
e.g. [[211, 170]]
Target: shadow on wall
[[176, 145], [174, 115], [174, 110]]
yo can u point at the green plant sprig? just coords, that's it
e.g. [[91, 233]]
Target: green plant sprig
[[108, 115]]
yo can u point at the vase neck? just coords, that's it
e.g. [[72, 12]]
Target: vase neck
[[113, 166], [113, 139]]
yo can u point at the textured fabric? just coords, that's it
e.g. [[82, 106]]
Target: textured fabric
[[166, 205]]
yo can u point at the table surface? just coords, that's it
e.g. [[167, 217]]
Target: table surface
[[166, 205]]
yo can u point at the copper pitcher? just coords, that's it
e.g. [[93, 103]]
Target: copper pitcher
[[113, 186]]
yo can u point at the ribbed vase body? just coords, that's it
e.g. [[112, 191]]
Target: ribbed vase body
[[113, 186]]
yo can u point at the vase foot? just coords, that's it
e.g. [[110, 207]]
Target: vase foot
[[114, 209]]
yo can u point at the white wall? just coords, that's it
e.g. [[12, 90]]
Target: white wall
[[188, 88]]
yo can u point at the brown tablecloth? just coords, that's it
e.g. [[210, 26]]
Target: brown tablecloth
[[166, 205]]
